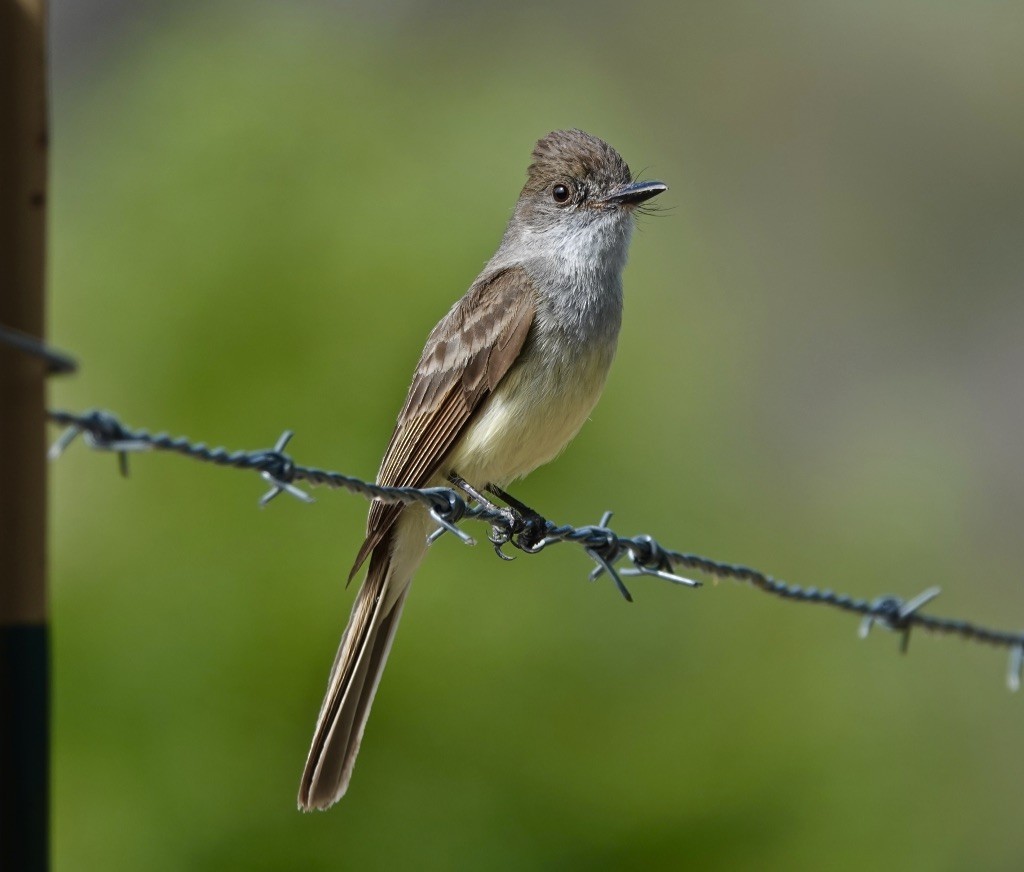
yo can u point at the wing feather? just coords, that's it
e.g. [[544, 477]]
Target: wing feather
[[466, 355]]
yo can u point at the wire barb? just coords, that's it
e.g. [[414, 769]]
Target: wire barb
[[448, 509], [604, 549], [102, 432], [892, 613], [1013, 672], [649, 558], [646, 557], [281, 477]]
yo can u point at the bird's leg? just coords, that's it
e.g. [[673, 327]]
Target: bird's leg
[[471, 491], [533, 525], [503, 530]]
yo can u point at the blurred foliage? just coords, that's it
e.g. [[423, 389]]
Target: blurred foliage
[[259, 212]]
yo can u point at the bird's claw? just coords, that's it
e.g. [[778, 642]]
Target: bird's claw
[[497, 550], [502, 533]]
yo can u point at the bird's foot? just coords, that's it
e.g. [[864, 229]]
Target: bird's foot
[[503, 528], [516, 523], [532, 526]]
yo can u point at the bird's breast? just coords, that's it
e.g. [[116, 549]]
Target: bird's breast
[[534, 412]]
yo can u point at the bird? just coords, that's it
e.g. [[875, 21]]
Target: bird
[[506, 379]]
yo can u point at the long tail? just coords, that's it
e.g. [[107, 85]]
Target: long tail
[[359, 664]]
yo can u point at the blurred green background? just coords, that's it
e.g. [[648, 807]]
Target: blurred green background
[[819, 374]]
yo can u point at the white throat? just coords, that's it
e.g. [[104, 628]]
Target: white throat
[[576, 265]]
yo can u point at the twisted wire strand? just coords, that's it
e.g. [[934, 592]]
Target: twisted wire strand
[[104, 431]]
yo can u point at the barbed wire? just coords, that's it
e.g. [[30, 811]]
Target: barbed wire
[[532, 533], [57, 362]]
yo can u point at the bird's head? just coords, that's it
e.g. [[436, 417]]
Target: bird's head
[[580, 197]]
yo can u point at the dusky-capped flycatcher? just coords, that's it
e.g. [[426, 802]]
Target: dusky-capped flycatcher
[[506, 380]]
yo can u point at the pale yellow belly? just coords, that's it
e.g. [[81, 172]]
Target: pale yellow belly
[[534, 413]]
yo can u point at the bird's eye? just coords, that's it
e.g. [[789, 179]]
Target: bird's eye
[[560, 193]]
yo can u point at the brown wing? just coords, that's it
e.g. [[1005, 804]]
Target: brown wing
[[465, 357]]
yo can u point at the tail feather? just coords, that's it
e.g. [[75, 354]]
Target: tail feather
[[354, 678]]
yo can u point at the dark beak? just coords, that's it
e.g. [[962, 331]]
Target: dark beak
[[635, 193]]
